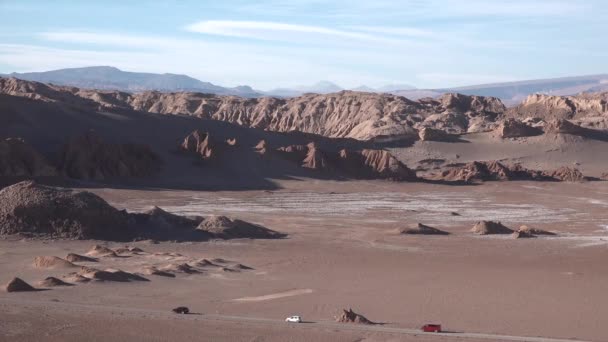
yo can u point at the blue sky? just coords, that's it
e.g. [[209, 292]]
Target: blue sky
[[272, 43]]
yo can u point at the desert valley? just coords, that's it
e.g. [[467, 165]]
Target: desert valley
[[459, 210], [303, 171]]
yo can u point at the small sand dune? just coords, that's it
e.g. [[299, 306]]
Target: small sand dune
[[277, 295]]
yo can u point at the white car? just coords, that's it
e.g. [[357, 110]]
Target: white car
[[293, 319]]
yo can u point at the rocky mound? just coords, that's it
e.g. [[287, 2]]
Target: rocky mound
[[567, 174], [101, 251], [18, 285], [110, 275], [76, 278], [522, 235], [349, 316], [89, 157], [421, 229], [151, 270], [72, 257], [51, 262], [534, 231], [18, 159], [563, 126], [53, 282], [513, 128], [179, 268], [490, 227], [163, 220], [223, 227], [31, 208]]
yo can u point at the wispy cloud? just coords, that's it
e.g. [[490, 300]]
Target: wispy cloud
[[278, 31]]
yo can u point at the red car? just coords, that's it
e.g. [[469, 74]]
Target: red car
[[431, 328]]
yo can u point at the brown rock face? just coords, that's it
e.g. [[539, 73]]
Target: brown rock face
[[18, 285], [88, 157], [18, 159], [490, 227], [30, 208], [512, 128], [349, 316]]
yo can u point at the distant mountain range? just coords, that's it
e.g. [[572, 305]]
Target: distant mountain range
[[107, 77], [514, 92]]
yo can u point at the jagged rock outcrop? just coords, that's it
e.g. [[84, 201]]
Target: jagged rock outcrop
[[489, 171], [349, 316], [89, 157], [315, 158], [363, 164], [562, 107], [490, 227], [567, 174], [18, 159], [377, 164], [346, 114], [513, 128], [34, 209], [422, 229], [199, 143], [563, 126]]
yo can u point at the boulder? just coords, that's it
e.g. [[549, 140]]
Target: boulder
[[490, 227], [432, 134], [513, 128]]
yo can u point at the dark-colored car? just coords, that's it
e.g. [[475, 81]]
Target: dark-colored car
[[431, 328], [181, 310]]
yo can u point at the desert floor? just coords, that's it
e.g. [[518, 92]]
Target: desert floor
[[342, 252]]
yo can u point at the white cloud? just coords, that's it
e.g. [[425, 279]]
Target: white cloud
[[277, 31]]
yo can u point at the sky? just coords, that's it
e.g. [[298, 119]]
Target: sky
[[284, 43]]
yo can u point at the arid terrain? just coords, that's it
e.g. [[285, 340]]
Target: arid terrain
[[489, 220]]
